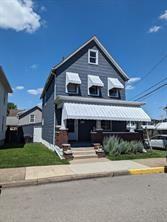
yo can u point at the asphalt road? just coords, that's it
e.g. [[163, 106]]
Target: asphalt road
[[126, 198]]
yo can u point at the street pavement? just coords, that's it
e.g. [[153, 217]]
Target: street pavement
[[114, 199]]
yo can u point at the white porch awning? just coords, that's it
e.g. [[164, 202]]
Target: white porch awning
[[114, 83], [72, 77], [103, 112], [94, 81]]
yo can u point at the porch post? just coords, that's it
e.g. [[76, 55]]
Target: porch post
[[98, 124]]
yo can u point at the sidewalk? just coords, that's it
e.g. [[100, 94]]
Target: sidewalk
[[76, 170]]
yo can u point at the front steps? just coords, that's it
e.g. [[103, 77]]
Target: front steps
[[84, 153]]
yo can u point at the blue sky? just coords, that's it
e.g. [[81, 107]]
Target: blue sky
[[37, 34]]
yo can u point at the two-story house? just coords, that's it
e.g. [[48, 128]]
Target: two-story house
[[85, 93], [5, 88]]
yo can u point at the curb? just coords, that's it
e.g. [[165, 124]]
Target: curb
[[58, 179], [153, 170]]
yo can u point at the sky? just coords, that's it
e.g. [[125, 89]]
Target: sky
[[36, 34]]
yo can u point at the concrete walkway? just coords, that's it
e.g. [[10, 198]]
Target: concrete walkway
[[76, 168]]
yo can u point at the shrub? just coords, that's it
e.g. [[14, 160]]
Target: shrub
[[116, 146]]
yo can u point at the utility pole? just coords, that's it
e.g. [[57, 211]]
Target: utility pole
[[165, 109]]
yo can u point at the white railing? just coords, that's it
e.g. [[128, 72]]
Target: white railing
[[54, 148]]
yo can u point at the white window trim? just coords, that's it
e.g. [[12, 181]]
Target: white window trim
[[118, 90], [98, 94], [76, 93], [97, 56], [30, 118]]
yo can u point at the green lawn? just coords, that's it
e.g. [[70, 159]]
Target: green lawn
[[32, 154], [149, 154]]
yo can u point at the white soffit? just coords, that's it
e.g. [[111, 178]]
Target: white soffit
[[94, 81], [73, 78], [114, 83], [104, 112]]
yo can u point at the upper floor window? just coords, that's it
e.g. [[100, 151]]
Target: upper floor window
[[94, 85], [114, 88], [32, 118], [73, 88], [93, 56], [72, 83], [114, 93], [94, 91]]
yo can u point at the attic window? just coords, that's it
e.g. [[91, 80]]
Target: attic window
[[93, 56], [32, 118]]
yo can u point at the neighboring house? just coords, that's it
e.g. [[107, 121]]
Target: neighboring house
[[85, 94], [21, 123], [5, 88], [155, 129]]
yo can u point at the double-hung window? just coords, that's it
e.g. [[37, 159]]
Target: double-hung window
[[94, 85], [114, 88], [73, 82], [32, 118], [93, 56]]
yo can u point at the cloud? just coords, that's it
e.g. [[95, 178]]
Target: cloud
[[163, 16], [19, 15], [34, 66], [154, 29], [35, 92], [43, 8], [131, 82], [19, 87]]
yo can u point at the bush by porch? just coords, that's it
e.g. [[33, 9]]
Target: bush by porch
[[118, 149]]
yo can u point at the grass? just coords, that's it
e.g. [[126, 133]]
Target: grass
[[149, 154], [32, 154]]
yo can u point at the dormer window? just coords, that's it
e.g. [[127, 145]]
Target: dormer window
[[94, 85], [72, 83], [93, 56], [114, 87]]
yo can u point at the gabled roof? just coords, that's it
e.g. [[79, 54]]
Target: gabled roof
[[26, 112], [104, 50], [4, 81]]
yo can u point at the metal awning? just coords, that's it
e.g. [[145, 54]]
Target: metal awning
[[114, 83], [73, 78], [103, 112], [94, 81], [161, 126]]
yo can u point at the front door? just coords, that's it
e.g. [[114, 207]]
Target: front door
[[84, 129]]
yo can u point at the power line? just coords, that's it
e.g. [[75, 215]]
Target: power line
[[151, 92], [156, 84], [151, 70]]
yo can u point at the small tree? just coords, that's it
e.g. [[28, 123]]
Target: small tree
[[12, 106]]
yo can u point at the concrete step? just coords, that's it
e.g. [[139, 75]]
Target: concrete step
[[83, 152], [87, 156], [82, 148]]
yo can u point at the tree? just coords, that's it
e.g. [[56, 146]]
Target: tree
[[12, 106]]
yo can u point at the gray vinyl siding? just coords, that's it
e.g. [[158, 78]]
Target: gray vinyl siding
[[48, 112], [28, 130], [25, 120], [3, 112], [80, 65]]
